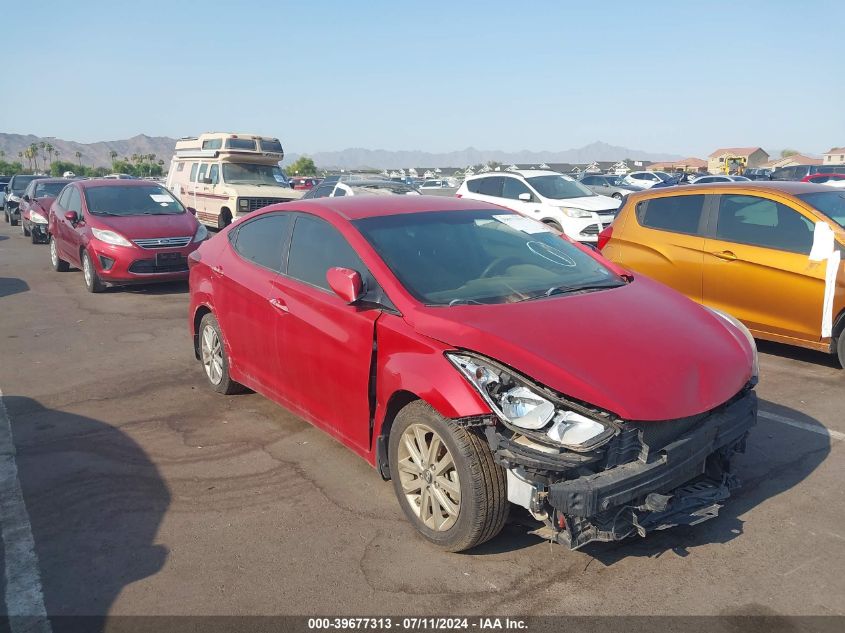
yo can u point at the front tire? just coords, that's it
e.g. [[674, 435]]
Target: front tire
[[840, 349], [444, 476], [215, 361], [59, 265], [617, 195], [89, 273], [23, 229], [13, 220]]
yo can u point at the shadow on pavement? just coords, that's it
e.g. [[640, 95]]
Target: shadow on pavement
[[12, 286], [797, 353], [168, 288], [777, 458], [95, 503]]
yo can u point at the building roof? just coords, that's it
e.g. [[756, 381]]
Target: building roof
[[692, 161], [794, 159], [737, 151], [836, 150]]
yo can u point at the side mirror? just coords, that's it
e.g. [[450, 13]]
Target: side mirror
[[191, 210], [26, 198], [346, 283], [525, 197], [72, 217], [824, 242]]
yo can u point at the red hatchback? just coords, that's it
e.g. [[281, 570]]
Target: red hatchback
[[122, 232], [477, 358]]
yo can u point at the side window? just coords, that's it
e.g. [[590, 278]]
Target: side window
[[763, 222], [323, 191], [180, 166], [63, 197], [74, 202], [194, 171], [339, 191], [491, 186], [317, 246], [214, 143], [474, 186], [679, 214], [261, 240], [512, 188], [591, 180], [214, 173], [202, 171]]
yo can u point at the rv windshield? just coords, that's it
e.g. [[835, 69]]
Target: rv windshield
[[253, 174]]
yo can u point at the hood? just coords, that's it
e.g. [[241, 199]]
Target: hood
[[135, 227], [589, 203], [262, 191], [641, 351]]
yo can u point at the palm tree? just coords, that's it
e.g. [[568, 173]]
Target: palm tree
[[28, 155], [78, 155], [33, 152], [49, 149], [113, 156]]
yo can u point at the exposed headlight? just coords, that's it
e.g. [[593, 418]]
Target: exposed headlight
[[523, 404], [37, 218], [243, 204], [201, 233], [110, 237], [576, 213], [755, 370], [14, 197]]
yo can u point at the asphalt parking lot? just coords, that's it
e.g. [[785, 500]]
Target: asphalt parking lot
[[149, 494]]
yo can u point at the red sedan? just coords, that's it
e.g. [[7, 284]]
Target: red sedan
[[825, 178], [35, 206], [477, 358], [122, 232]]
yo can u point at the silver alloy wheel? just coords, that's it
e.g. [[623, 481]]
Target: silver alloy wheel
[[54, 253], [429, 477], [212, 355], [87, 270]]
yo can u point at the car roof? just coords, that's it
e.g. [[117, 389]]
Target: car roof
[[114, 182], [359, 207], [48, 179], [783, 186]]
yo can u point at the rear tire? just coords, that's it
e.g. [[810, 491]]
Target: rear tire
[[59, 265], [840, 349], [13, 220], [23, 229], [444, 476], [89, 274], [617, 195], [214, 359]]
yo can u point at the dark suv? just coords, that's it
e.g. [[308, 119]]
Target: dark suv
[[757, 173], [14, 191], [798, 172]]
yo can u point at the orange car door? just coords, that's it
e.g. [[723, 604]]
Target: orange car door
[[663, 239], [757, 267]]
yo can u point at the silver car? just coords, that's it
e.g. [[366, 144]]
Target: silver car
[[608, 185]]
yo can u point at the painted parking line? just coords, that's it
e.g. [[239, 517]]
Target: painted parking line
[[814, 428], [24, 597]]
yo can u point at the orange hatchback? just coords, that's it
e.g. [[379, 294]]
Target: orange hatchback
[[767, 253]]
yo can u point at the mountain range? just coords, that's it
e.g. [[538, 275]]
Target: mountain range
[[98, 154]]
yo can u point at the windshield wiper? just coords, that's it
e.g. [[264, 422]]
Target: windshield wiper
[[561, 290], [455, 302]]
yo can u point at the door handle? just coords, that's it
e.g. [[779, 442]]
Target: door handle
[[279, 305], [217, 270], [728, 256]]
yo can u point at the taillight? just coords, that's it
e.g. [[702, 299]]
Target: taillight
[[604, 237]]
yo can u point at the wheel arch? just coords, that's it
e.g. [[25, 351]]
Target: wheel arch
[[199, 313]]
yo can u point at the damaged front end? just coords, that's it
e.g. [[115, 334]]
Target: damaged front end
[[590, 476]]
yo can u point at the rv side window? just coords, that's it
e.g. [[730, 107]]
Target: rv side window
[[214, 143], [213, 173], [180, 166], [201, 174], [194, 171]]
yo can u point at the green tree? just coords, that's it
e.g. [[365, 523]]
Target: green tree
[[302, 166], [785, 153], [78, 155], [33, 155], [49, 149], [113, 156]]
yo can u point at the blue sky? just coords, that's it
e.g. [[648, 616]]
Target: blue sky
[[680, 77]]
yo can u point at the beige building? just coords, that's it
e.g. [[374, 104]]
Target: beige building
[[835, 156], [690, 164], [755, 157], [794, 159]]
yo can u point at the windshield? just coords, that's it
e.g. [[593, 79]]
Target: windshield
[[129, 200], [48, 189], [558, 187], [481, 257], [831, 203], [663, 176], [19, 183], [252, 174]]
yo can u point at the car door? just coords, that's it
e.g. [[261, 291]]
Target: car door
[[664, 239], [488, 189], [512, 188], [326, 346], [245, 297], [757, 267], [72, 241]]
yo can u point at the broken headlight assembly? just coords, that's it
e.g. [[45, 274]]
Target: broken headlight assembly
[[528, 408]]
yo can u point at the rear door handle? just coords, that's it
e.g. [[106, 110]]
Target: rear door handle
[[728, 256], [279, 305], [217, 270]]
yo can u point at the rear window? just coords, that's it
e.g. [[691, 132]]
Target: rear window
[[679, 214], [240, 143]]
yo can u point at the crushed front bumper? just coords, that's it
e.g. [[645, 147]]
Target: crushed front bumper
[[664, 481]]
